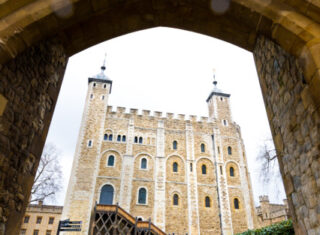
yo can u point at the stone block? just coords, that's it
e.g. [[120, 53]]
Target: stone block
[[3, 104]]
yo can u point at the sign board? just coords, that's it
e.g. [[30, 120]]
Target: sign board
[[69, 226]]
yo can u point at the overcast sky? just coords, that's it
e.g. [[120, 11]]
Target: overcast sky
[[168, 70]]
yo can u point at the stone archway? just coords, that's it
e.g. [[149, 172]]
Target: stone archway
[[38, 36]]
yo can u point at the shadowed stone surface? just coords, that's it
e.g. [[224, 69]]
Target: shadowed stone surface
[[30, 83], [295, 126]]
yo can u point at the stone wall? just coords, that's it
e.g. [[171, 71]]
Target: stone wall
[[29, 84], [295, 126]]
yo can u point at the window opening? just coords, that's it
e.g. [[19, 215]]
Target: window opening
[[229, 150], [143, 163], [111, 160], [123, 138], [204, 169], [140, 140], [105, 137], [221, 170], [207, 201], [51, 220], [26, 219], [119, 138], [39, 219], [89, 143], [175, 167], [110, 137], [106, 195], [136, 139], [203, 148], [236, 203], [142, 198], [191, 167], [175, 199], [174, 144], [231, 171]]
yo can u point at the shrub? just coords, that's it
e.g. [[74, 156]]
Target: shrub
[[282, 228]]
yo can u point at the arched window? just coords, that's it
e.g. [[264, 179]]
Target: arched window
[[123, 138], [175, 167], [236, 203], [231, 171], [174, 144], [143, 163], [140, 140], [136, 139], [203, 148], [229, 150], [119, 138], [110, 137], [142, 197], [175, 199], [111, 160], [105, 137], [90, 143], [104, 86], [207, 201], [94, 84], [204, 169], [139, 219], [106, 195]]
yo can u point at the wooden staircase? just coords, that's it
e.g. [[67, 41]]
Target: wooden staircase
[[113, 220]]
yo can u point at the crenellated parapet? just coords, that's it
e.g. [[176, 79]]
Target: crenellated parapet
[[122, 112]]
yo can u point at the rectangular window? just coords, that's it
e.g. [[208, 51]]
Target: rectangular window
[[36, 232], [23, 232], [26, 219], [51, 219], [48, 232], [39, 219], [221, 170]]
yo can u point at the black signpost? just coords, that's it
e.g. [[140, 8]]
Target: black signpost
[[69, 226]]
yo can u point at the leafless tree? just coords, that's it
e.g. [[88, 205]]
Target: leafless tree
[[48, 180], [269, 167]]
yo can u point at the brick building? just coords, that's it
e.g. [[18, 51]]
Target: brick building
[[41, 219], [270, 213], [188, 176]]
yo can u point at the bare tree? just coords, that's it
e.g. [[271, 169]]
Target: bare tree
[[47, 182], [269, 168]]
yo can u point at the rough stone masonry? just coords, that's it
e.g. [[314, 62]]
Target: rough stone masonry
[[294, 121], [29, 86]]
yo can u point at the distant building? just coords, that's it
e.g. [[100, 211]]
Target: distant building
[[269, 213], [41, 219]]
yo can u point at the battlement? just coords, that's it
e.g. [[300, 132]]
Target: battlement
[[264, 198], [128, 113]]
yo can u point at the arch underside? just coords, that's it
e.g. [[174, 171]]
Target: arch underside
[[294, 25]]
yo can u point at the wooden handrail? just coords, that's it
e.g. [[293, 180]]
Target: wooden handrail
[[140, 224]]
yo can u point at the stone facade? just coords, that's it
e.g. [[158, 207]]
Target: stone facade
[[41, 218], [269, 213], [295, 126], [29, 86], [168, 157]]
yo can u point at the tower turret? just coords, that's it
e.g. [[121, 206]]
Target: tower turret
[[218, 104], [79, 199]]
